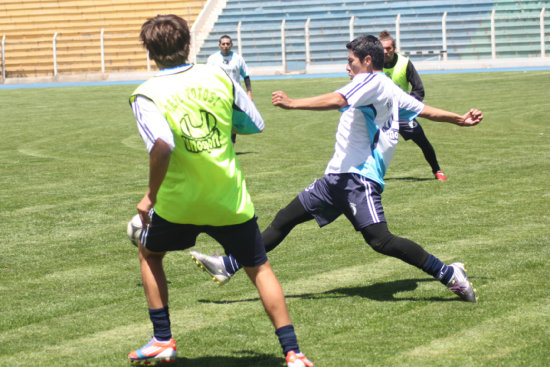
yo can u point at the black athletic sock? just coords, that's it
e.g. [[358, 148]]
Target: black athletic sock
[[438, 269], [287, 339], [428, 151], [285, 220], [160, 318], [231, 264]]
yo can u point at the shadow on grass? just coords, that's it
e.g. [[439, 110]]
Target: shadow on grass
[[382, 292], [243, 358], [388, 291], [242, 153], [408, 179]]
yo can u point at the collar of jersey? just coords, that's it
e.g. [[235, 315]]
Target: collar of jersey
[[175, 69]]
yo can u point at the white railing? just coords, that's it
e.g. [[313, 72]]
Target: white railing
[[541, 22], [4, 57], [102, 42], [203, 24], [54, 51], [444, 35], [441, 51], [239, 38], [308, 46], [283, 44]]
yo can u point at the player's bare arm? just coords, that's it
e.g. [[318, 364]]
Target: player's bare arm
[[329, 101], [248, 86], [470, 118], [159, 159]]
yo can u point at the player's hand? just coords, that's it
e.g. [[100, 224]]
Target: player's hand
[[280, 99], [472, 117], [143, 208]]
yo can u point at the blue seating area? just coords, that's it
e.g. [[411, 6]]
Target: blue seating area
[[468, 28]]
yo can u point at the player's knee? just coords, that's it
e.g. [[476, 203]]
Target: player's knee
[[279, 220], [378, 237]]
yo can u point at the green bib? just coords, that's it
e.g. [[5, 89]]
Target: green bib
[[204, 184], [399, 72]]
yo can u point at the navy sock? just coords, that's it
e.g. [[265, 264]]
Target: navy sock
[[437, 269], [160, 318], [231, 264], [288, 339]]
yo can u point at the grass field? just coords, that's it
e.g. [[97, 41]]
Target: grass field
[[72, 169]]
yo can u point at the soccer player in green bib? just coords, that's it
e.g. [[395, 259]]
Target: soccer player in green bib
[[403, 73], [185, 115]]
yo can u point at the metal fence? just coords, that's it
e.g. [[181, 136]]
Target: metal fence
[[291, 46]]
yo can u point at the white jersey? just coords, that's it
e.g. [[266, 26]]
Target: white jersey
[[368, 131], [233, 64]]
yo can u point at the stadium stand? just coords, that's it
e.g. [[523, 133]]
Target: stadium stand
[[29, 27], [420, 28]]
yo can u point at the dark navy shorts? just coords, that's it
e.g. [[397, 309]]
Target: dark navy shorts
[[410, 129], [346, 193], [243, 241]]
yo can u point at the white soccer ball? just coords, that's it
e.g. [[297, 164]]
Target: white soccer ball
[[133, 230]]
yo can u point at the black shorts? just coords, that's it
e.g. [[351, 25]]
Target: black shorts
[[243, 241], [410, 129], [345, 193]]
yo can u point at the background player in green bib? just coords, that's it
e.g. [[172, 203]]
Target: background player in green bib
[[402, 71], [185, 115]]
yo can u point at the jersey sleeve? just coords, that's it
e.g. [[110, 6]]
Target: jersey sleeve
[[409, 107], [414, 80], [211, 60], [246, 117], [243, 68], [152, 125], [360, 90]]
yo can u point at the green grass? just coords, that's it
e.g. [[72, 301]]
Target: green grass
[[72, 169]]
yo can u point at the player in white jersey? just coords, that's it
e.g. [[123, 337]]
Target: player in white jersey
[[371, 106], [230, 61], [233, 64]]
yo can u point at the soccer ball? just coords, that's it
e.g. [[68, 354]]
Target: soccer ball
[[133, 230]]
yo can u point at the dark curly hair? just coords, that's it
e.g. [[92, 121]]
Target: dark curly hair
[[385, 36], [167, 39], [366, 45]]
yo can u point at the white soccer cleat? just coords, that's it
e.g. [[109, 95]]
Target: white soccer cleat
[[460, 285], [213, 265]]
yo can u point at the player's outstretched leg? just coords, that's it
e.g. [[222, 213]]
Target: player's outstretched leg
[[214, 265], [222, 268], [453, 276], [460, 285], [154, 352]]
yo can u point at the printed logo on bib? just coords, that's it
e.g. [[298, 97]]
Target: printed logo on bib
[[200, 135]]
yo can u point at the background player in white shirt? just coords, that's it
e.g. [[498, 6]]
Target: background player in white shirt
[[367, 135], [233, 64]]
